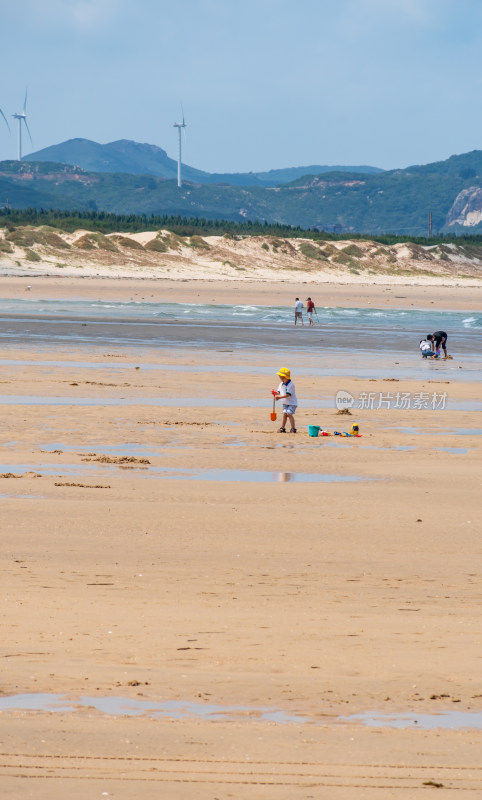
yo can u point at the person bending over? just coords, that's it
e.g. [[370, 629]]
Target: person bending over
[[438, 340]]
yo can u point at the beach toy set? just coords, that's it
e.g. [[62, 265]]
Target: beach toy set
[[314, 430]]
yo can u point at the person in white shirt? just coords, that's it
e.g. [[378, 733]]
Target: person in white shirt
[[426, 349], [299, 311], [287, 394]]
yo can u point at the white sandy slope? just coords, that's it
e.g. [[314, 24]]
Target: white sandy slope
[[163, 255]]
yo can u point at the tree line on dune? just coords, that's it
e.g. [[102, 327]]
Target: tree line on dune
[[106, 222]]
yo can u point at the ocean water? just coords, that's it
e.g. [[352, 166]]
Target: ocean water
[[424, 321]]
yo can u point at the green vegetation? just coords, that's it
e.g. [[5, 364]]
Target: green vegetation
[[31, 255], [124, 241], [29, 236], [173, 241], [159, 245], [18, 226], [84, 243], [310, 251], [352, 250], [148, 160], [24, 237], [93, 241], [342, 258], [345, 203], [199, 243]]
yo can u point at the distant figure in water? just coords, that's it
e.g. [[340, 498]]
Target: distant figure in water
[[298, 311], [438, 340], [310, 307]]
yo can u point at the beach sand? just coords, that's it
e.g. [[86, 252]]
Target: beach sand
[[350, 294], [151, 581]]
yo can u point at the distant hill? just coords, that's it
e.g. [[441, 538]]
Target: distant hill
[[148, 159], [122, 156], [396, 202], [275, 176]]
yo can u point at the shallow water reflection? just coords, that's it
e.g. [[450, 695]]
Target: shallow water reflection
[[186, 709], [454, 720], [183, 473], [123, 706], [453, 449]]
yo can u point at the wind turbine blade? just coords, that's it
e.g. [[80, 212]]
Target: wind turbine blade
[[6, 121], [182, 112], [31, 142], [25, 102]]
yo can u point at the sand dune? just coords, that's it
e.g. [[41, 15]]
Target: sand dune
[[161, 254]]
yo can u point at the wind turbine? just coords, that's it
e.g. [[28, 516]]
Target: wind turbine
[[6, 121], [179, 126], [22, 117]]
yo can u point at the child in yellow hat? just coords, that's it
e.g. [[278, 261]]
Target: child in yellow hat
[[287, 394]]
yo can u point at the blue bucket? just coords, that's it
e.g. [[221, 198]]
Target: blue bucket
[[313, 430]]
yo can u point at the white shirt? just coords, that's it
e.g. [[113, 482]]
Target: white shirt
[[298, 306], [424, 345], [284, 388]]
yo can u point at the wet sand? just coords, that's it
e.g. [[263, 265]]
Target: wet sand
[[320, 600], [342, 339]]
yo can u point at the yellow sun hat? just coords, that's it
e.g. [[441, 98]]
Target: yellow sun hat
[[284, 372]]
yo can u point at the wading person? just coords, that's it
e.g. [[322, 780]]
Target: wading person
[[299, 311], [310, 308]]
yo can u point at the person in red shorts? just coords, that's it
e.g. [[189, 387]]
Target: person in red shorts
[[310, 307]]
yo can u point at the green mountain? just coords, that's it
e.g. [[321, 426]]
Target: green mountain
[[121, 156], [388, 202], [147, 159]]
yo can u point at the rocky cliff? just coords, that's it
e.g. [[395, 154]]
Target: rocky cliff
[[467, 208]]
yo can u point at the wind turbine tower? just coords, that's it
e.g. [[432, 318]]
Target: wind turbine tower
[[22, 117], [179, 126]]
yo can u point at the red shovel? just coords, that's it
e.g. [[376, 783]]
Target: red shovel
[[273, 413]]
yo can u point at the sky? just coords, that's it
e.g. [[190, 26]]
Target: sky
[[264, 84]]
